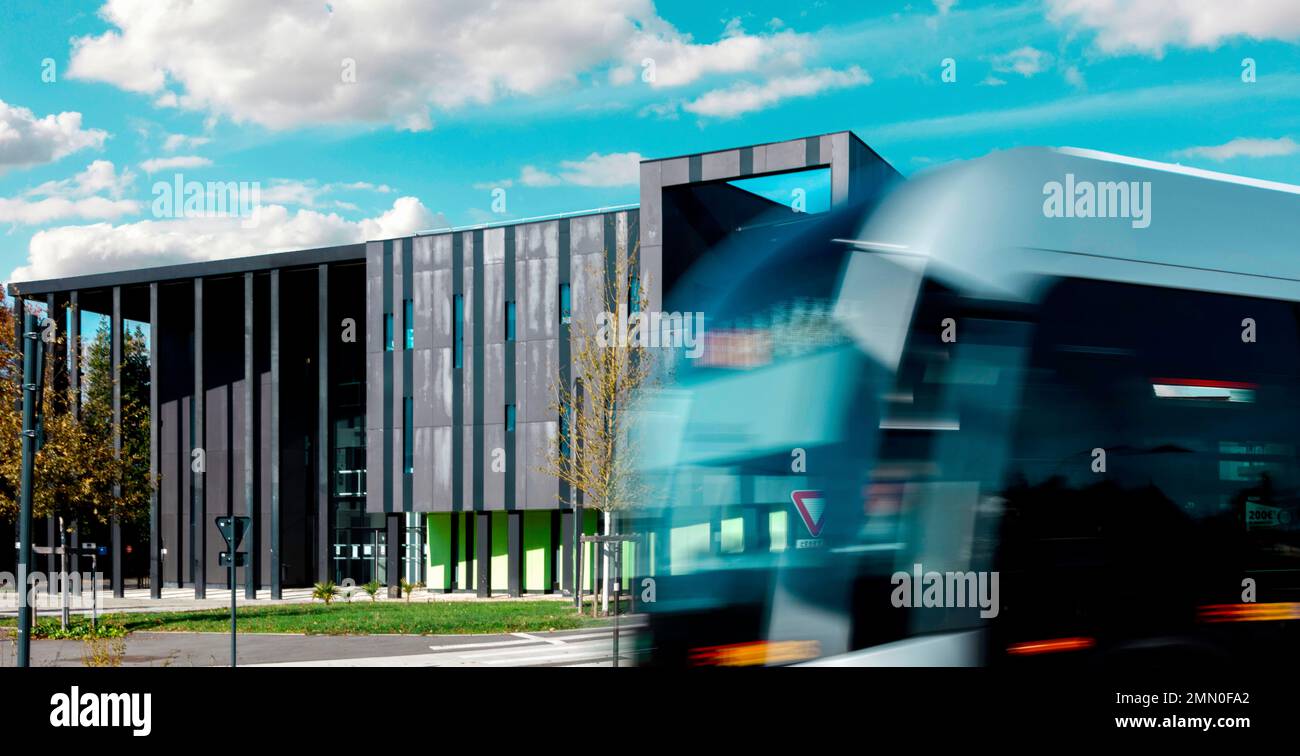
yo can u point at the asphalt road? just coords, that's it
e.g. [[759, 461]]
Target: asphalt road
[[584, 647]]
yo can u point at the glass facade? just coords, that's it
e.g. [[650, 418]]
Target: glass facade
[[413, 558]]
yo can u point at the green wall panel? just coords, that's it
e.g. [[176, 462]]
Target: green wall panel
[[589, 522], [500, 553], [537, 551], [438, 527], [464, 565]]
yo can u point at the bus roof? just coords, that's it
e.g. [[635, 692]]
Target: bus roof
[[995, 224]]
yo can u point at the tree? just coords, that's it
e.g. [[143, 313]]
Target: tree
[[76, 470], [97, 413], [594, 451]]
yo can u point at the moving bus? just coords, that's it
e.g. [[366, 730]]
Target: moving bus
[[1041, 407]]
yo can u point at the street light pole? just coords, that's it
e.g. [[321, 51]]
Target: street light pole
[[25, 497]]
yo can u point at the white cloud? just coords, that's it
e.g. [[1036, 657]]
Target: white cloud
[[175, 142], [288, 63], [366, 186], [993, 81], [80, 197], [531, 176], [50, 209], [678, 60], [1149, 26], [1074, 77], [614, 169], [99, 247], [99, 176], [153, 165], [944, 6], [310, 193], [1025, 61], [27, 140], [286, 192], [747, 97], [668, 111], [1243, 147]]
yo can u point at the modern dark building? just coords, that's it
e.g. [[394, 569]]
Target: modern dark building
[[354, 400]]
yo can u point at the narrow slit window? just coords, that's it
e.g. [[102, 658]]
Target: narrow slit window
[[408, 320], [408, 435], [458, 331], [564, 436]]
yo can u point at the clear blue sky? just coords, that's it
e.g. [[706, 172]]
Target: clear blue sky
[[549, 100]]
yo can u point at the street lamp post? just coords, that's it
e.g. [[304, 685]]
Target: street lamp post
[[32, 373]]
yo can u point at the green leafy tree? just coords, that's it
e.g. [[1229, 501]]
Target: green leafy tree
[[595, 451], [76, 470], [97, 413]]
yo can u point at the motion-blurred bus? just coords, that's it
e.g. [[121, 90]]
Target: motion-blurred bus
[[1041, 407]]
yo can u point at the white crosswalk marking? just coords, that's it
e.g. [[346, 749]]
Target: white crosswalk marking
[[538, 638]]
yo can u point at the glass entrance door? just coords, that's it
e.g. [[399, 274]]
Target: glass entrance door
[[359, 555]]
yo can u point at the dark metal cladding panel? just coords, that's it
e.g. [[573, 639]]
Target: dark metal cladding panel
[[376, 493]]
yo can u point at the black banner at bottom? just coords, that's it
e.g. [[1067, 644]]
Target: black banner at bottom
[[330, 706]]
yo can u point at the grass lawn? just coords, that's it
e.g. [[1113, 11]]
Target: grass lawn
[[362, 618]]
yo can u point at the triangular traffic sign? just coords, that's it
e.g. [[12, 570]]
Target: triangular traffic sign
[[233, 529], [811, 506]]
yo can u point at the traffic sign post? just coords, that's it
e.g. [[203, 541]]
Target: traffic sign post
[[233, 529], [86, 550], [90, 550], [617, 541]]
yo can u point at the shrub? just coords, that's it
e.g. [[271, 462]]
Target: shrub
[[103, 652], [78, 628], [325, 591]]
